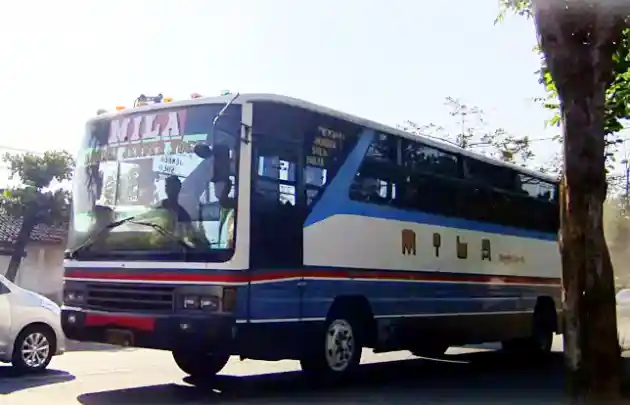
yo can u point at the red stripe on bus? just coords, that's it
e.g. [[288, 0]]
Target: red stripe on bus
[[141, 323], [383, 275]]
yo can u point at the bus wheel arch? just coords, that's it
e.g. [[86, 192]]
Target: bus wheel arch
[[335, 352], [359, 307]]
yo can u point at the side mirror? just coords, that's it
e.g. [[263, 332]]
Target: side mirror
[[221, 162], [202, 150]]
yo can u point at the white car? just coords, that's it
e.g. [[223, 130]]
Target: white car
[[30, 328]]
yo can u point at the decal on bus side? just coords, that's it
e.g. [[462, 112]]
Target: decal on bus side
[[409, 247]]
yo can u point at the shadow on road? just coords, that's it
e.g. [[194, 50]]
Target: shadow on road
[[74, 346], [12, 381], [470, 378]]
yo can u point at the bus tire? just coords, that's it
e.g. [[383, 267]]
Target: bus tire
[[201, 365], [335, 353], [538, 345]]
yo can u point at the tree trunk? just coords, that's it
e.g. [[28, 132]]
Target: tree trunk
[[579, 41], [20, 245]]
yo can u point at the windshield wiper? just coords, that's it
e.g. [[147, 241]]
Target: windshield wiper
[[165, 232], [72, 254]]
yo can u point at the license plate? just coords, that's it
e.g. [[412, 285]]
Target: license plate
[[119, 337]]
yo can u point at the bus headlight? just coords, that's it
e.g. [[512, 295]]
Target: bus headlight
[[73, 297], [206, 299], [203, 302]]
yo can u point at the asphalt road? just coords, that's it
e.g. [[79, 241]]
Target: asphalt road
[[101, 375]]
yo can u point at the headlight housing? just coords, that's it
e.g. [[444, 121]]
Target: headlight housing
[[206, 299], [203, 302], [71, 297]]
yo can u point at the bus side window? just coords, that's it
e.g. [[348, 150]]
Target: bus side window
[[276, 179], [314, 178], [377, 178]]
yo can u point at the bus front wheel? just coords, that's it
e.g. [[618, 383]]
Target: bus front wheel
[[337, 352], [200, 364]]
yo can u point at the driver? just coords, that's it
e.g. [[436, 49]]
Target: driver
[[172, 187], [183, 224]]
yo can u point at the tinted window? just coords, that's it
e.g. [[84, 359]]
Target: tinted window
[[536, 188], [428, 180], [315, 178], [3, 288], [373, 189], [491, 175], [382, 149], [431, 194], [377, 177], [419, 157], [277, 176], [327, 146]]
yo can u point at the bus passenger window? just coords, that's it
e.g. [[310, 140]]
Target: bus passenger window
[[275, 178], [314, 178]]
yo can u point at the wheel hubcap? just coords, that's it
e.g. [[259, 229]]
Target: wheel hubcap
[[35, 350], [339, 345]]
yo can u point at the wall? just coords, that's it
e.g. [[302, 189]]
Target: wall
[[41, 270]]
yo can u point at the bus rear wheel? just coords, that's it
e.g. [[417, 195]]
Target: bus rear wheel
[[538, 345], [200, 365]]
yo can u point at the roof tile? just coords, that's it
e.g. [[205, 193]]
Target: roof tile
[[10, 228]]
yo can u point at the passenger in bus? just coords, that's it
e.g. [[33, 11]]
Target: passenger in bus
[[228, 208], [172, 187]]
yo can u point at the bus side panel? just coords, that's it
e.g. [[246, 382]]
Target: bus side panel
[[295, 153], [420, 266]]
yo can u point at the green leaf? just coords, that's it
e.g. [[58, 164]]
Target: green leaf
[[37, 172], [617, 104], [40, 170]]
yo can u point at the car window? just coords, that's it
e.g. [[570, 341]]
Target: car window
[[3, 288]]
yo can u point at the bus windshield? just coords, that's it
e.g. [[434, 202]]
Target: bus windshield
[[143, 165]]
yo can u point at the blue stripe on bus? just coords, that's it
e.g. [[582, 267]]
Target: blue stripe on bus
[[336, 201], [390, 298]]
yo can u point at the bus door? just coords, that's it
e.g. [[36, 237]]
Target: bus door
[[277, 218]]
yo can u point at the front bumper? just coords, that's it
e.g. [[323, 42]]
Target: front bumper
[[216, 332], [61, 342]]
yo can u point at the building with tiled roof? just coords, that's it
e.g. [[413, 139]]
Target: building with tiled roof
[[10, 228], [41, 269]]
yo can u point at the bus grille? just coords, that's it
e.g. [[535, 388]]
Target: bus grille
[[129, 297]]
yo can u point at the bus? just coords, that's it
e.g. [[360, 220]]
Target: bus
[[271, 228]]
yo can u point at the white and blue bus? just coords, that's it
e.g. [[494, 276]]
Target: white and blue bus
[[272, 228]]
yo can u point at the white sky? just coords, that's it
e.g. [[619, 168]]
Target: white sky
[[385, 60]]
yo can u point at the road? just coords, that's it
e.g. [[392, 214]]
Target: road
[[133, 376]]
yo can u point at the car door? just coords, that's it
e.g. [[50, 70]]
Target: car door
[[5, 314]]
